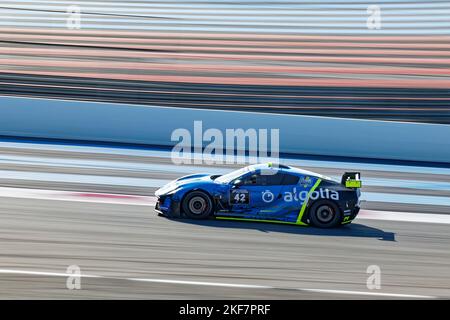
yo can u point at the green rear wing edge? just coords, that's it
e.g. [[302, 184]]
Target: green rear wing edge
[[352, 180]]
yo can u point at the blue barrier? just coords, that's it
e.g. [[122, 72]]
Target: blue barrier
[[109, 122]]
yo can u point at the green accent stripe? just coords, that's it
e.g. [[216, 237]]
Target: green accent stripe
[[305, 203], [254, 220]]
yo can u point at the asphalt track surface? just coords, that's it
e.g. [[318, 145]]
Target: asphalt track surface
[[125, 250], [294, 57]]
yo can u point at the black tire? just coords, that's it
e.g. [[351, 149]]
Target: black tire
[[197, 205], [324, 214]]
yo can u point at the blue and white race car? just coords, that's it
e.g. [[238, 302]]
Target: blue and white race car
[[266, 193]]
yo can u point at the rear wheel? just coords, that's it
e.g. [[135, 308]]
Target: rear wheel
[[324, 214], [197, 205]]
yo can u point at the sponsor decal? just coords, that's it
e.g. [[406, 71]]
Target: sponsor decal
[[301, 196], [306, 181], [267, 196]]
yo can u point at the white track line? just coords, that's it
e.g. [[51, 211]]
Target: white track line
[[404, 216], [202, 283], [45, 273], [24, 193], [167, 155], [368, 293], [216, 284]]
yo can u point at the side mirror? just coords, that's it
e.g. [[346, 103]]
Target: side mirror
[[237, 183]]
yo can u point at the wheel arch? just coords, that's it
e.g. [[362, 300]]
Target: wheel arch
[[311, 204], [199, 189]]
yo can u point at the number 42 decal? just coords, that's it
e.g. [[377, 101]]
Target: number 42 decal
[[239, 197]]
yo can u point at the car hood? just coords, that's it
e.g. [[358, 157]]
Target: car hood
[[191, 180]]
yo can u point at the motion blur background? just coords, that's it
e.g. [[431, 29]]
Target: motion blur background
[[80, 201], [302, 57]]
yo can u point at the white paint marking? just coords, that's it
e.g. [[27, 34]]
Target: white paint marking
[[167, 155], [404, 216], [23, 193], [369, 293], [44, 273], [81, 179], [216, 284], [202, 283]]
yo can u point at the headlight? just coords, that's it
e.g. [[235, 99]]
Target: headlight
[[172, 192], [167, 189]]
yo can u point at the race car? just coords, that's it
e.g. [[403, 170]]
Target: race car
[[266, 193]]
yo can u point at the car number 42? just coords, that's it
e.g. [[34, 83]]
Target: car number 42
[[239, 197]]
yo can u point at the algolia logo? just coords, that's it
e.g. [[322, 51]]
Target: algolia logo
[[295, 196], [289, 196], [213, 146]]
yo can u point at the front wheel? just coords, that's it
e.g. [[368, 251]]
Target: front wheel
[[197, 205], [324, 214]]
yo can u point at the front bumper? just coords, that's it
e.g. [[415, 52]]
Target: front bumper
[[166, 206]]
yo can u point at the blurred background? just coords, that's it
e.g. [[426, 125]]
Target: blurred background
[[341, 58], [75, 200]]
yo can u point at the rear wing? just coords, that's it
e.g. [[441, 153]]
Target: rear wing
[[351, 180]]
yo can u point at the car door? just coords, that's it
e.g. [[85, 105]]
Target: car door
[[258, 194]]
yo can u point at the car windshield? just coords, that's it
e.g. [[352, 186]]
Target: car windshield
[[227, 178]]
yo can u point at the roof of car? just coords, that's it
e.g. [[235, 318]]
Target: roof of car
[[286, 168], [268, 165]]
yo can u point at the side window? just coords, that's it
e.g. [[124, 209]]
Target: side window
[[289, 180], [274, 179], [253, 179], [258, 179]]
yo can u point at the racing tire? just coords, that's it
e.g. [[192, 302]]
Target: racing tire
[[197, 205], [324, 214]]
